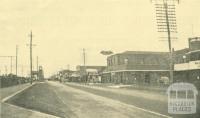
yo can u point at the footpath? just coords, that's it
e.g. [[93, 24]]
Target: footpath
[[11, 111]]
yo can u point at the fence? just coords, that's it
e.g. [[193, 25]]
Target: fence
[[11, 80]]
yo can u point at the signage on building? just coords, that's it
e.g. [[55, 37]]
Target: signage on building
[[187, 66], [182, 66], [106, 52], [194, 64]]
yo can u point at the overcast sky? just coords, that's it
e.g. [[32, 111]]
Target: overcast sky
[[62, 28]]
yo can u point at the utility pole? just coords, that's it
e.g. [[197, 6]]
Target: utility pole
[[31, 55], [11, 65], [84, 57], [6, 70], [84, 66], [37, 68], [169, 41], [22, 71], [166, 22], [16, 58], [31, 75]]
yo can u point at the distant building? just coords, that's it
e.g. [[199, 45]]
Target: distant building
[[90, 73], [68, 75], [40, 73], [137, 67]]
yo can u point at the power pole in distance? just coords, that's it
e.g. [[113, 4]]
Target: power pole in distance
[[84, 57], [16, 58], [6, 70], [11, 66], [31, 74], [84, 66], [37, 68]]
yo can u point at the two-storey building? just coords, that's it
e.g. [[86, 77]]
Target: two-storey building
[[137, 67]]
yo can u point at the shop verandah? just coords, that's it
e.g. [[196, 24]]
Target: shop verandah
[[154, 78]]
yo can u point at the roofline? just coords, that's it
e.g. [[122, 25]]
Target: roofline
[[192, 51], [137, 53], [145, 52], [134, 71]]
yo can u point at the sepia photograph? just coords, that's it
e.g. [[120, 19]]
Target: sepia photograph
[[100, 58]]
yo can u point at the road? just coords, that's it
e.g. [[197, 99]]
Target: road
[[76, 101], [87, 105], [65, 101]]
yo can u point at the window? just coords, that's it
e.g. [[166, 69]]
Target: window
[[139, 60], [195, 56], [198, 57], [147, 78], [126, 61]]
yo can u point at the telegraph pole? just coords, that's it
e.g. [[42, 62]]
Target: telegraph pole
[[169, 41], [31, 55], [84, 66], [37, 68], [31, 75], [22, 71], [84, 57], [11, 65], [16, 58], [166, 22], [6, 70]]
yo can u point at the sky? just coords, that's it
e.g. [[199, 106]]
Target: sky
[[62, 28]]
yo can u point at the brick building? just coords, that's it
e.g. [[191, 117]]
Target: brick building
[[137, 67]]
